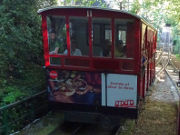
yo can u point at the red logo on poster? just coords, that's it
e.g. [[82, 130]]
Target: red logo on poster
[[124, 103], [53, 74]]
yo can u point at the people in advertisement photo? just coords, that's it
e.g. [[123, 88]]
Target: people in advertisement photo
[[75, 87]]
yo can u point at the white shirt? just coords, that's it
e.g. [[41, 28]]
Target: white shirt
[[76, 52], [65, 52]]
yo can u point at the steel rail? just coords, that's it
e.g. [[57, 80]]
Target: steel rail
[[175, 68], [174, 84], [159, 58], [76, 130], [177, 91], [178, 104], [164, 66]]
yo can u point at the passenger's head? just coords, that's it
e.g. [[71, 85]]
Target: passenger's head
[[120, 45], [73, 45], [52, 34], [120, 42]]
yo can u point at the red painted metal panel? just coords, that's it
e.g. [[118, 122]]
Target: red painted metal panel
[[68, 34], [45, 41], [67, 12], [113, 37], [90, 36], [107, 63], [110, 14], [137, 48]]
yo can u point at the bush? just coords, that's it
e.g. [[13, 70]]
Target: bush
[[21, 50]]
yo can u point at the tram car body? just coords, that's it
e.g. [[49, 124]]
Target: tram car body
[[98, 61]]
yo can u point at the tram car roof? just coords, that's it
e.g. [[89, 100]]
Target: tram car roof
[[94, 8]]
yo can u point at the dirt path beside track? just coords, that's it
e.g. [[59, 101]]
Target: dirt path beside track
[[176, 61], [159, 114]]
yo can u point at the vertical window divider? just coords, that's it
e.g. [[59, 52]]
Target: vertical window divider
[[45, 40], [68, 34], [90, 37], [113, 34]]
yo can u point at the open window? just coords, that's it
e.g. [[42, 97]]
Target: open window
[[124, 38], [56, 34], [79, 36], [102, 37], [56, 26]]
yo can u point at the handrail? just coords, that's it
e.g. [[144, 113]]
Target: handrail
[[19, 102], [30, 104]]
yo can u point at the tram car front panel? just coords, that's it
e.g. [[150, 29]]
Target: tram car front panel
[[86, 73]]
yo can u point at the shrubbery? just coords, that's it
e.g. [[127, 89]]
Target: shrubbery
[[21, 53]]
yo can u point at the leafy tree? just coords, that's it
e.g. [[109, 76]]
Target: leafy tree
[[21, 50], [88, 3], [122, 4], [135, 7], [157, 12]]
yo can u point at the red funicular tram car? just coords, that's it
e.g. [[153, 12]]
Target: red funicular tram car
[[100, 62]]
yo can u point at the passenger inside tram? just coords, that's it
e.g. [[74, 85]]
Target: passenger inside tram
[[53, 42], [79, 36], [74, 50], [107, 48], [120, 49], [56, 34]]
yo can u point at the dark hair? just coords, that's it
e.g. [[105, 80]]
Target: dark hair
[[120, 42], [52, 31]]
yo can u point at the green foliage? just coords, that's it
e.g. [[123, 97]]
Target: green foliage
[[135, 7], [178, 56], [20, 38], [13, 94], [21, 53], [21, 49], [88, 3], [158, 13], [14, 118]]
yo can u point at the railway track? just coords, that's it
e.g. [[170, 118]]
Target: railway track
[[173, 74], [169, 68], [82, 129]]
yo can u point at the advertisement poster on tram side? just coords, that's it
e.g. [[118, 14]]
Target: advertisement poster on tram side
[[121, 90], [75, 87]]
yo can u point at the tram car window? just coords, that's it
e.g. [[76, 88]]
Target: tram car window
[[102, 37], [124, 43], [56, 34], [79, 36], [56, 37]]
